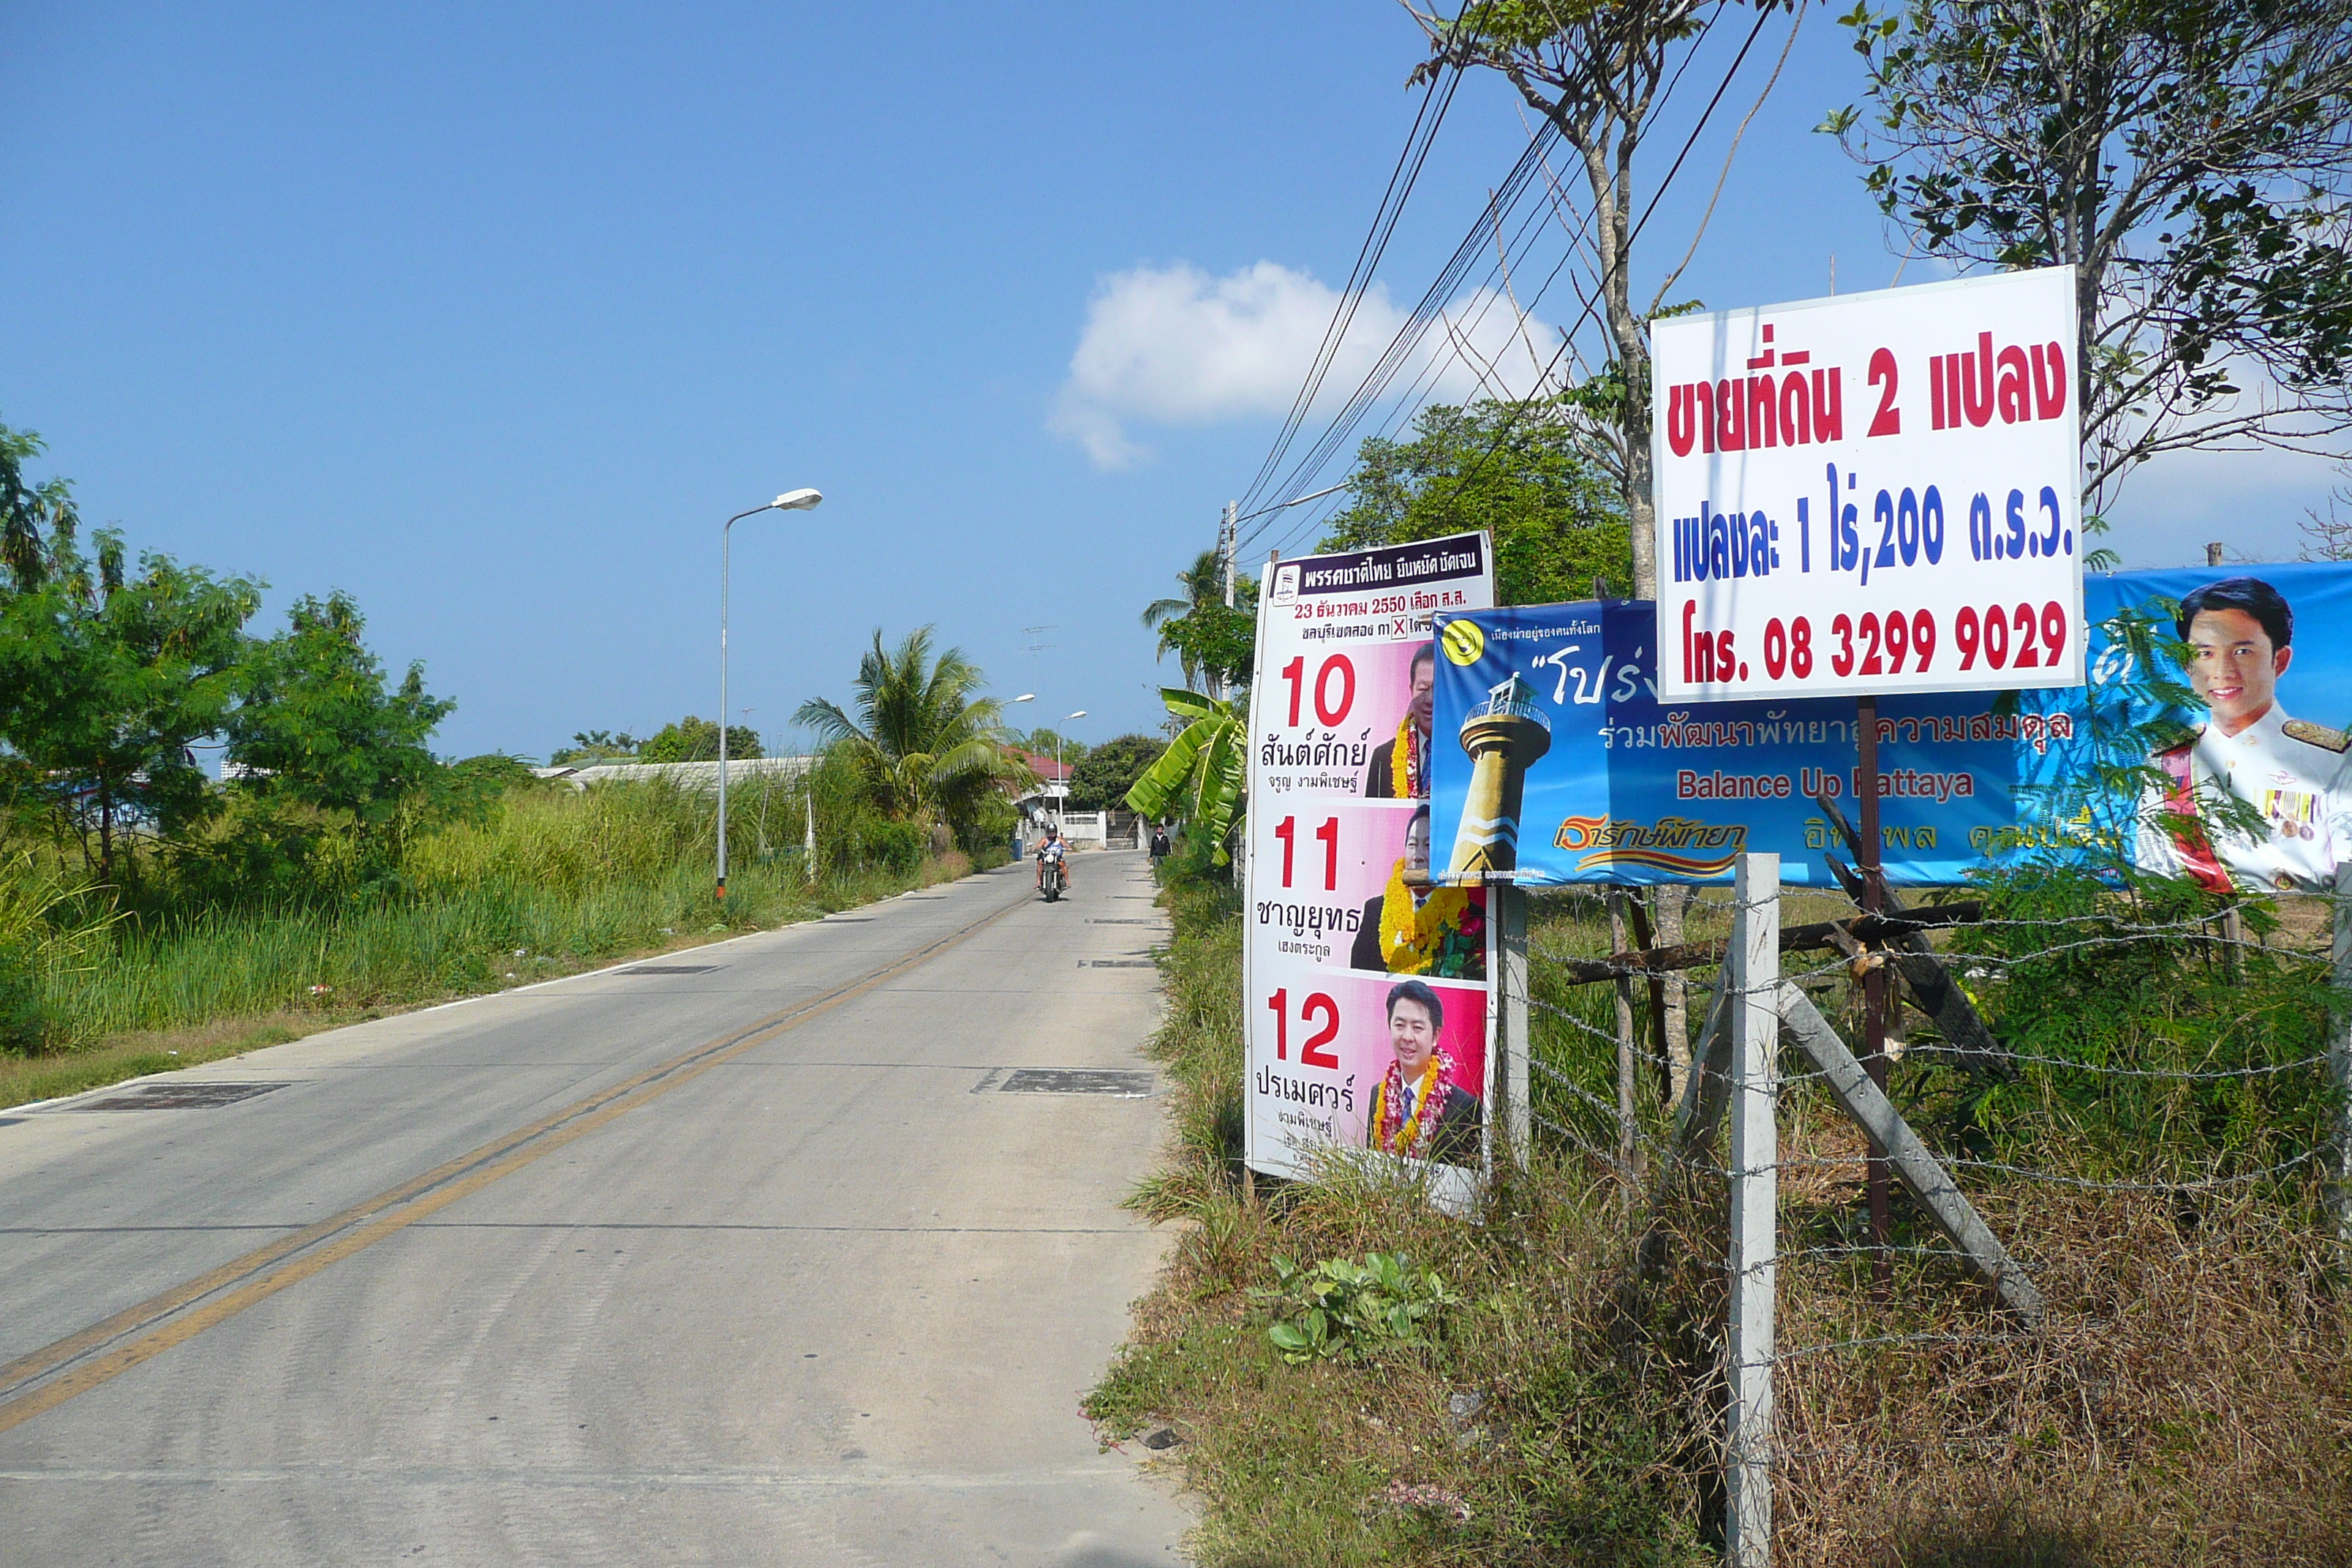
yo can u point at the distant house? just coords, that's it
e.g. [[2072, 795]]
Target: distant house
[[1047, 800], [1053, 786], [702, 777]]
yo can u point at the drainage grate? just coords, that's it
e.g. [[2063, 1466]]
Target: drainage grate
[[1112, 1081], [180, 1096], [1137, 920], [849, 919], [1117, 964], [672, 969]]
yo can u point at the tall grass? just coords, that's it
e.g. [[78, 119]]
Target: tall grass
[[550, 880], [2186, 1401]]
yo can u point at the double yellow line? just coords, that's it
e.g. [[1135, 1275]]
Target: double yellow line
[[56, 1373]]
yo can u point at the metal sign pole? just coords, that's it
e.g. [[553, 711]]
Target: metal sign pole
[[1751, 981], [2339, 1056], [1875, 996], [1509, 903]]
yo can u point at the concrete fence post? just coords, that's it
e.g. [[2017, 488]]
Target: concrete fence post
[[2340, 1061], [1512, 1044], [1751, 979]]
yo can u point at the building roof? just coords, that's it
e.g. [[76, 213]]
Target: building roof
[[1045, 767]]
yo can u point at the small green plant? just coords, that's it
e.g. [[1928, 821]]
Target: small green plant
[[1347, 1310]]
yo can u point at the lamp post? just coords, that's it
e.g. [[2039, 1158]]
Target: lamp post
[[790, 500], [1057, 759], [1020, 844]]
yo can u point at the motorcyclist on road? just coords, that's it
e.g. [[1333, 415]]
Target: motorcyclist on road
[[1054, 849]]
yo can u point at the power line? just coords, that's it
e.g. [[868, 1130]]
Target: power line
[[1401, 180], [1763, 15], [1408, 338], [1400, 349]]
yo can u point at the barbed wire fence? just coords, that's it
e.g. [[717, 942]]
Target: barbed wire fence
[[1767, 1006]]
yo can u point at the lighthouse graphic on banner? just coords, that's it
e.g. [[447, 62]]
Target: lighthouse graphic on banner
[[1505, 736]]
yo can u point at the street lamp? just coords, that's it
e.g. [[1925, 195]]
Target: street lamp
[[1057, 758], [1018, 841], [790, 500]]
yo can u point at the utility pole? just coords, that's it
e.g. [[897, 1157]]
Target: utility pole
[[1226, 533], [1228, 530]]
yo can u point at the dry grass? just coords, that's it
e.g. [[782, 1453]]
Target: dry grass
[[2189, 1400]]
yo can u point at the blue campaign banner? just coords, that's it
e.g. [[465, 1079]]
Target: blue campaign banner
[[1564, 767]]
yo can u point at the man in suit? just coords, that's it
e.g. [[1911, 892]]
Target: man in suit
[[2240, 632], [1415, 1111], [1406, 777], [1460, 952], [1365, 953]]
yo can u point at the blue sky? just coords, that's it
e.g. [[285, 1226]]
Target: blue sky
[[490, 315]]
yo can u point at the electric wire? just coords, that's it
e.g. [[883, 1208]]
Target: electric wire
[[1763, 15], [1401, 180], [1303, 474], [1400, 349]]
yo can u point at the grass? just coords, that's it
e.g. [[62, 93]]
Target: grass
[[556, 882], [2188, 1402]]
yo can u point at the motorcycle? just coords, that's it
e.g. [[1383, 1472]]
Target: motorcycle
[[1053, 881]]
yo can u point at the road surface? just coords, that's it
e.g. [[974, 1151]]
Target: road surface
[[760, 1254]]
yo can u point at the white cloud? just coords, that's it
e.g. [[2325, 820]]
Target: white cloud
[[1175, 346]]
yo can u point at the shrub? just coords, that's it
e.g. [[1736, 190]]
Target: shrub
[[1351, 1310], [890, 845]]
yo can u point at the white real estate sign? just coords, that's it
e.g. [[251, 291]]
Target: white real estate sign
[[1351, 974], [1873, 493]]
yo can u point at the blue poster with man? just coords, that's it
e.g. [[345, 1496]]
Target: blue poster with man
[[2209, 741]]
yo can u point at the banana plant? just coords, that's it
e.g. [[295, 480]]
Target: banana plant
[[1204, 772]]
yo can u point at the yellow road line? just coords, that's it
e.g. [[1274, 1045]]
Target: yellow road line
[[143, 1332]]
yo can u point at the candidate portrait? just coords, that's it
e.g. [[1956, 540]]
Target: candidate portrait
[[2240, 637], [1400, 766], [1416, 1111], [1411, 928]]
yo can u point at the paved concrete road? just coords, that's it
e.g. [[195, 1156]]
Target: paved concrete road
[[721, 1267]]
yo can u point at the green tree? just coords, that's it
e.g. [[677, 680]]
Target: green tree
[[598, 746], [928, 746], [37, 522], [693, 740], [1215, 644], [1103, 775], [111, 684], [1555, 525], [319, 727], [106, 683], [1203, 776], [2189, 158], [1602, 73]]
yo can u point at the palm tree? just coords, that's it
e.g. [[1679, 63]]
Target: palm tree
[[1203, 583], [1203, 775], [930, 748]]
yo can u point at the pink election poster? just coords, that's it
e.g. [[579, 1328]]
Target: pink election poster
[[1368, 1021], [1388, 1061]]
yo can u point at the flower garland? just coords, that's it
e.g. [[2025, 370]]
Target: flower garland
[[1406, 763], [1441, 936], [1394, 1133]]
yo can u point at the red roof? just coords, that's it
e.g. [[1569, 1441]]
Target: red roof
[[1045, 768]]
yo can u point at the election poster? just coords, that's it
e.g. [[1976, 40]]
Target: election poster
[[1871, 494], [1567, 765], [1366, 988]]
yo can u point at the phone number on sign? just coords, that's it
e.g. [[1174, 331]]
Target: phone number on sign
[[1997, 637]]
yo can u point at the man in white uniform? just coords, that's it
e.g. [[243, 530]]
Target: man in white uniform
[[2292, 771]]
